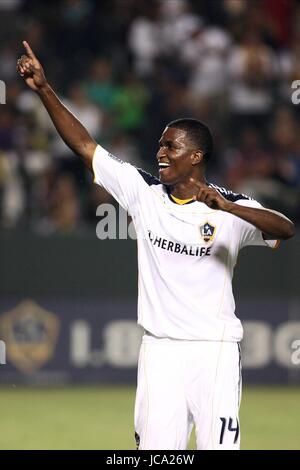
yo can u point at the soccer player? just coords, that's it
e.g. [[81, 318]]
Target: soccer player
[[189, 234]]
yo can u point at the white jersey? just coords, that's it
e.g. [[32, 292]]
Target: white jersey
[[186, 254]]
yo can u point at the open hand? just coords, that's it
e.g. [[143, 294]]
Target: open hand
[[31, 70], [211, 197]]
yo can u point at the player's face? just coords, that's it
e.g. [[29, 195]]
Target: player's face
[[174, 156]]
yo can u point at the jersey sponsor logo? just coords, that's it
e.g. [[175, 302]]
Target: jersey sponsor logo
[[180, 248], [30, 333], [207, 231]]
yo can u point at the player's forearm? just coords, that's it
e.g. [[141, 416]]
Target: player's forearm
[[70, 129], [271, 223]]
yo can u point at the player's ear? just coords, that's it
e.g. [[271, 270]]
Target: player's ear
[[197, 157]]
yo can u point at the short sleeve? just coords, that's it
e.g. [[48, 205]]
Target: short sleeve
[[120, 179], [247, 233]]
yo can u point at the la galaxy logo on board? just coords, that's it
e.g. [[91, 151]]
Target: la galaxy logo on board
[[207, 231], [30, 333]]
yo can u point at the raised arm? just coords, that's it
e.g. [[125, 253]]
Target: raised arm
[[70, 129], [273, 225]]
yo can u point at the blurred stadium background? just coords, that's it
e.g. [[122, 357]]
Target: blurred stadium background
[[67, 299]]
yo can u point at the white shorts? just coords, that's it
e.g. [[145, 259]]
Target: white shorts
[[181, 383]]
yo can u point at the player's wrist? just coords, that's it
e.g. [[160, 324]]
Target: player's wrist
[[228, 206], [43, 89]]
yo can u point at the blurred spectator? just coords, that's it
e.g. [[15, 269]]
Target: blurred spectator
[[252, 70], [177, 22], [99, 86], [289, 63], [125, 148], [284, 137], [63, 208], [8, 61], [13, 198], [249, 164], [206, 54], [279, 15], [90, 116], [129, 104], [7, 129], [95, 197], [145, 39]]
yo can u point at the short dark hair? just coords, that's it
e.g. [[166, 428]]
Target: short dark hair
[[198, 133]]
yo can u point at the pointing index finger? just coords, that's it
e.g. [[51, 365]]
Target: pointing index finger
[[29, 50]]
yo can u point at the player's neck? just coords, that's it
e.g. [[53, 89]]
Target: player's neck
[[186, 190]]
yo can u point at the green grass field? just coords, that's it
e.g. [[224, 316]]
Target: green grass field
[[102, 418]]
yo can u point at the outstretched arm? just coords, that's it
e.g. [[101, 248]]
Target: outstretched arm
[[273, 225], [70, 129]]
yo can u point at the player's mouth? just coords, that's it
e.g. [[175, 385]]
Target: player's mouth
[[163, 167]]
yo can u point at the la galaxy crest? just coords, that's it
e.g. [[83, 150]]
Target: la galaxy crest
[[207, 231], [30, 334]]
